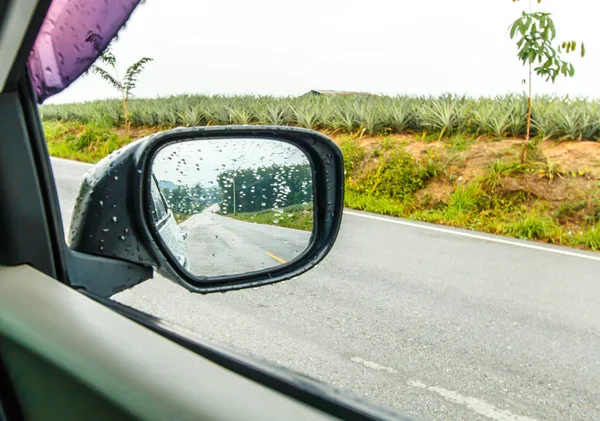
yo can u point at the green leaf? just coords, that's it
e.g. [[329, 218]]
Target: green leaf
[[107, 57], [582, 50], [514, 28], [545, 33], [552, 28], [107, 77], [130, 78]]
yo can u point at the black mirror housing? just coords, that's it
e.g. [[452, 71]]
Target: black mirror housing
[[113, 218]]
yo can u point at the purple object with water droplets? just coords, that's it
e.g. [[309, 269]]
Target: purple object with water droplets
[[73, 35]]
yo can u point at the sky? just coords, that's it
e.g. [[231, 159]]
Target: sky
[[184, 162], [271, 47]]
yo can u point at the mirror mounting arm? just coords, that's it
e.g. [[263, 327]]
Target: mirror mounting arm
[[104, 277]]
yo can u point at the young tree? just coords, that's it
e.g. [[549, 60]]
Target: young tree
[[536, 34], [125, 85]]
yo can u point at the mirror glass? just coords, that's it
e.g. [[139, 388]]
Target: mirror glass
[[232, 206]]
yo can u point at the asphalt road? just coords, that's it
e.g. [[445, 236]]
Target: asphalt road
[[220, 245], [441, 324]]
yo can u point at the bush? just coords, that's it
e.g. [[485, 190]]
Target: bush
[[397, 176]]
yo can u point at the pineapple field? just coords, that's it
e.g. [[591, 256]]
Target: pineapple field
[[448, 160], [552, 118]]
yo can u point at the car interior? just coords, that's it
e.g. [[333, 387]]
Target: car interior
[[69, 353]]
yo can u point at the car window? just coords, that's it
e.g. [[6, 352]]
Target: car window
[[463, 284], [159, 209]]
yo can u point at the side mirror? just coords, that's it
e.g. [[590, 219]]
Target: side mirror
[[214, 208]]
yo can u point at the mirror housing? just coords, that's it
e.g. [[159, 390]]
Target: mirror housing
[[112, 216]]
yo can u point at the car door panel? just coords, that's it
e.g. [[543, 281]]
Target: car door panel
[[111, 362]]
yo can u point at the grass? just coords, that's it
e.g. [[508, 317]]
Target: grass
[[181, 217], [299, 217], [590, 238], [482, 204], [88, 143]]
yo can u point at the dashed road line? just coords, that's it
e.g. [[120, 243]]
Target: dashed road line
[[271, 255], [476, 405]]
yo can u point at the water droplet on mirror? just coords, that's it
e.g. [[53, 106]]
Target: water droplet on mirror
[[101, 203], [116, 177], [105, 229], [212, 255], [122, 238], [114, 219]]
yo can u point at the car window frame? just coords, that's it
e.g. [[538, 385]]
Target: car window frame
[[52, 258]]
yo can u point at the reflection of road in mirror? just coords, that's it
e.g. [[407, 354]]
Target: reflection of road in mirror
[[219, 245]]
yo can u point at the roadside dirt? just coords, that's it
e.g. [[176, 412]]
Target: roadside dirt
[[575, 174]]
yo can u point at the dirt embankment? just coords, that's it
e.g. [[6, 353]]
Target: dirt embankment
[[562, 171]]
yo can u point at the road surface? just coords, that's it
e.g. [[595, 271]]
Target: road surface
[[219, 245], [439, 323]]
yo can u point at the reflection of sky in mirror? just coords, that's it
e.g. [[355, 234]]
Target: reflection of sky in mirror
[[202, 160]]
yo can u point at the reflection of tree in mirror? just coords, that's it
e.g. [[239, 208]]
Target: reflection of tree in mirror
[[185, 201], [258, 189]]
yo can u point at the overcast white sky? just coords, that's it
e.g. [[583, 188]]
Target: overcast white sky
[[384, 46]]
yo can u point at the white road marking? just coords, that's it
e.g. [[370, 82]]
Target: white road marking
[[372, 365], [476, 405], [70, 161], [475, 236]]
